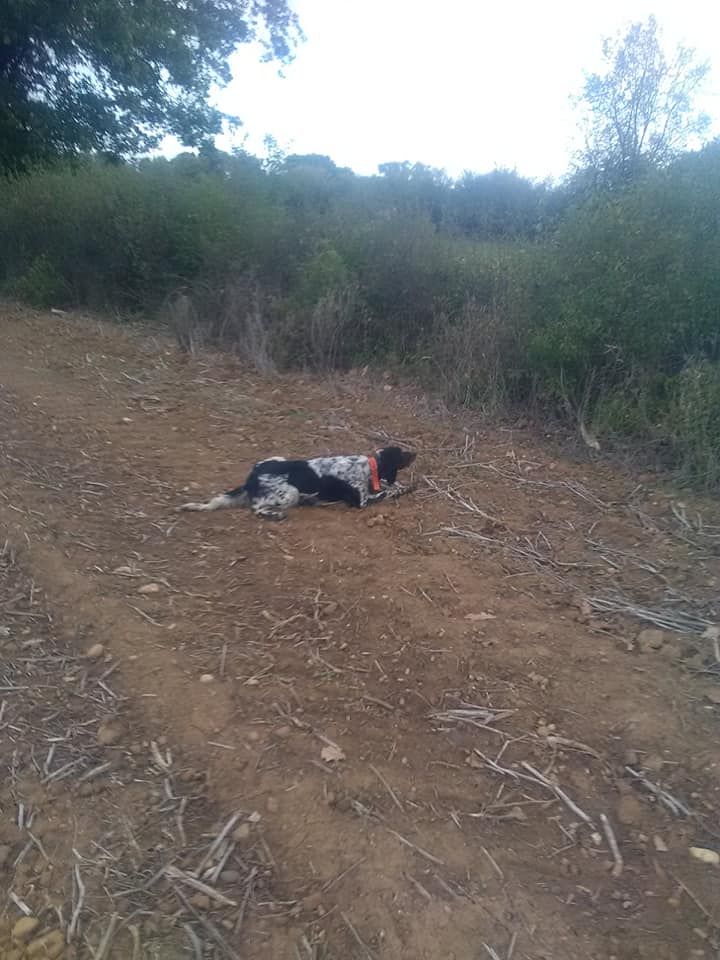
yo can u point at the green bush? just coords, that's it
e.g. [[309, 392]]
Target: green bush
[[497, 293], [41, 285]]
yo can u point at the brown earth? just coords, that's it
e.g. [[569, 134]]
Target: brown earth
[[295, 680]]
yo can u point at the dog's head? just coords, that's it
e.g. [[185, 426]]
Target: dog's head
[[392, 459]]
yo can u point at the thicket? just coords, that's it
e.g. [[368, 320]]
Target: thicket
[[501, 293]]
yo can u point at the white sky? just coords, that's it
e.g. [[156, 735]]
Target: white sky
[[461, 84]]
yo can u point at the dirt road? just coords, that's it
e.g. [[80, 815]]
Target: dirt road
[[412, 732]]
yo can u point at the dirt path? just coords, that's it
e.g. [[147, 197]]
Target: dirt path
[[237, 655]]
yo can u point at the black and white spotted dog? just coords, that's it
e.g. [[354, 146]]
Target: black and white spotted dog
[[275, 485]]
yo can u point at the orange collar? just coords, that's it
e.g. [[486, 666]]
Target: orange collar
[[374, 476]]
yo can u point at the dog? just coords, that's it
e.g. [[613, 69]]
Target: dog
[[276, 485]]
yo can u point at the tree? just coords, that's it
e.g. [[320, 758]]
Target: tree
[[114, 76], [639, 112]]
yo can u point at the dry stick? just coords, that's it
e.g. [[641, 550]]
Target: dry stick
[[209, 926], [331, 883], [195, 941], [703, 909], [555, 741], [491, 952], [217, 841], [174, 873], [389, 789], [613, 844], [243, 906], [107, 938], [356, 935], [135, 934], [423, 853], [672, 803], [493, 862], [511, 948], [72, 929], [419, 887], [380, 703], [559, 793]]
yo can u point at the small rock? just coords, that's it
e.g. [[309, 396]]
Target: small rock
[[4, 854], [282, 732], [149, 588], [47, 947], [201, 901], [332, 753], [376, 521], [95, 651], [255, 817], [126, 420], [123, 571], [206, 678], [272, 804], [629, 811], [24, 929], [649, 640], [711, 857], [659, 844], [230, 876], [109, 733], [242, 832]]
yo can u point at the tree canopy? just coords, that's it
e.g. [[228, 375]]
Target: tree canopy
[[639, 111], [114, 76]]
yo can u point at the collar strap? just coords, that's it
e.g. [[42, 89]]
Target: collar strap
[[374, 476]]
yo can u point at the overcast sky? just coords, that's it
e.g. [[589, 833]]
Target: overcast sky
[[460, 84]]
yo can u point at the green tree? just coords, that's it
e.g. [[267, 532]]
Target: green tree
[[113, 76], [639, 111]]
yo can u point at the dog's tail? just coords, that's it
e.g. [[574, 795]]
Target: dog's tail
[[233, 498]]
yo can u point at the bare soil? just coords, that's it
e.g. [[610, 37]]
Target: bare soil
[[273, 710]]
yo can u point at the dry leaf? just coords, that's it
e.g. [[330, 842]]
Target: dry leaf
[[332, 753]]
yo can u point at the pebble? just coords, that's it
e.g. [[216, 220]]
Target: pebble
[[711, 857], [149, 588], [109, 733], [24, 929], [206, 678], [95, 651], [660, 844], [282, 732], [230, 876]]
